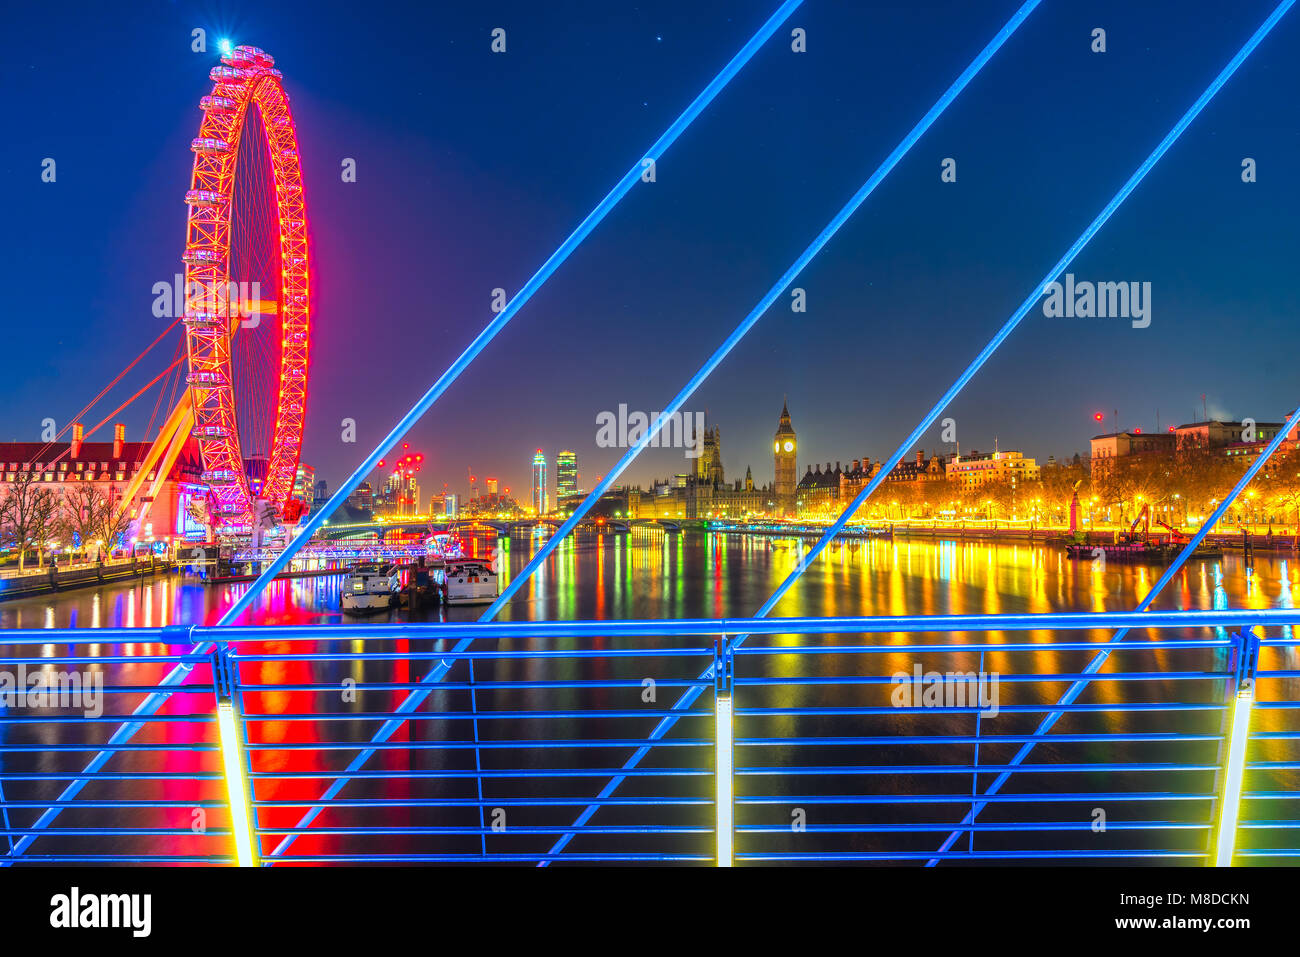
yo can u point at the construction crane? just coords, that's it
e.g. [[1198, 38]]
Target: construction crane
[[1145, 513]]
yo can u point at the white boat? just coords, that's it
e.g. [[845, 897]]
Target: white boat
[[470, 581], [370, 588]]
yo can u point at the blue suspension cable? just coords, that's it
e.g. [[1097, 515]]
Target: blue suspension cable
[[689, 697], [1075, 689], [439, 672], [765, 303], [594, 218]]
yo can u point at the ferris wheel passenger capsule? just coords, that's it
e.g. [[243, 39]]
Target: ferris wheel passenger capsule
[[205, 197], [238, 57], [217, 104], [210, 432], [209, 145], [257, 54], [201, 257], [228, 74]]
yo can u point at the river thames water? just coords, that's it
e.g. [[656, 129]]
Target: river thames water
[[654, 575]]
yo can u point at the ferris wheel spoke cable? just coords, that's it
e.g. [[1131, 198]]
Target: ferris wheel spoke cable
[[157, 404], [139, 392], [102, 392], [171, 381]]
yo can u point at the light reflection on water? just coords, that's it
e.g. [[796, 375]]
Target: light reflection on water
[[654, 575]]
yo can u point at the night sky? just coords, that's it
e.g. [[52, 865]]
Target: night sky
[[472, 167]]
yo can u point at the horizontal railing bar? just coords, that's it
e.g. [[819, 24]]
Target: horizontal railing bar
[[119, 803], [572, 685], [111, 718], [65, 859], [112, 776], [1003, 677], [896, 769], [23, 748], [489, 745], [1160, 645], [965, 855], [946, 827], [990, 738], [490, 832], [579, 684], [521, 654], [110, 831], [467, 715], [103, 659], [452, 774], [480, 858], [1002, 709], [1117, 796], [395, 803]]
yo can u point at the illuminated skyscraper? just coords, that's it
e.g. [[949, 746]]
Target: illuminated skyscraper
[[363, 497], [566, 475], [539, 483], [304, 484], [492, 486], [393, 489]]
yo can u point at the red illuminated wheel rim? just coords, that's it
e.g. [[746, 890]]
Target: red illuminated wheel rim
[[236, 413]]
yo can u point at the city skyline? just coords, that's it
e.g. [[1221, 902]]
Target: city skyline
[[833, 451]]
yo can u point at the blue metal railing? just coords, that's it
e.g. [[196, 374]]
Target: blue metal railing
[[829, 763]]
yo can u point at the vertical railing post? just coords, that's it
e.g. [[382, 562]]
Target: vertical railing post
[[724, 762], [1239, 698], [478, 762], [234, 760], [975, 766]]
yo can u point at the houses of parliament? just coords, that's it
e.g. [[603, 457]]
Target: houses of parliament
[[704, 492]]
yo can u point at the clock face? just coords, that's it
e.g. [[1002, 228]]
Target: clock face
[[776, 446], [789, 446]]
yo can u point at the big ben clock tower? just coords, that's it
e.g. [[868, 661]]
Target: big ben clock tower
[[785, 449]]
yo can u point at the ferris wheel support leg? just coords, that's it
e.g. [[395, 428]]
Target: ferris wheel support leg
[[165, 464]]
